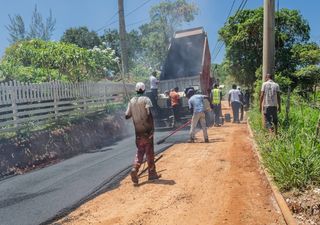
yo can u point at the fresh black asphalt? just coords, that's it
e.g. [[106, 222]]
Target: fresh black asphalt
[[39, 196]]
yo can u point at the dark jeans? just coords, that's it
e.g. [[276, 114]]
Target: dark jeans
[[176, 109], [271, 116], [241, 112], [154, 97], [216, 111], [235, 109]]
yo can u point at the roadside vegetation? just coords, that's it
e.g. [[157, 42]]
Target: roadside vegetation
[[293, 157]]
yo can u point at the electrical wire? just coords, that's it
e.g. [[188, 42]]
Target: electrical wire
[[137, 22], [129, 13], [219, 42], [116, 13]]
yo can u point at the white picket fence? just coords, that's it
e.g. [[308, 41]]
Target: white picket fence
[[25, 103]]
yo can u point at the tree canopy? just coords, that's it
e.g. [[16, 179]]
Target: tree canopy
[[82, 37], [166, 18], [243, 37], [38, 29]]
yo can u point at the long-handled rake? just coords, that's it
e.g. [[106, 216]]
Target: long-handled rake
[[173, 132]]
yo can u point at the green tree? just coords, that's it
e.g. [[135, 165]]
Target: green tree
[[82, 37], [38, 29], [243, 37], [220, 71], [307, 74], [166, 18], [38, 61], [16, 29], [111, 39]]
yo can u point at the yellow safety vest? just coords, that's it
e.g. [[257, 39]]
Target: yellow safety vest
[[215, 96]]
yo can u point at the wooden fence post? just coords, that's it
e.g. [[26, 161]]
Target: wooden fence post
[[55, 99], [14, 102]]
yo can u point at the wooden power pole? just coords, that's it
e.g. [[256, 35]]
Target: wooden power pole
[[268, 38], [123, 38]]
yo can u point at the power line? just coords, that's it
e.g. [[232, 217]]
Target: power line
[[137, 22], [230, 11], [116, 13], [231, 8], [216, 55], [240, 8], [129, 13]]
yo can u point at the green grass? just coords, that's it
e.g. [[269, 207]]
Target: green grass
[[293, 157]]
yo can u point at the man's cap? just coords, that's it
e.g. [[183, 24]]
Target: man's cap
[[190, 92], [140, 86]]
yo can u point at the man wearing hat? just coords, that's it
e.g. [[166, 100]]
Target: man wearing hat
[[139, 110]]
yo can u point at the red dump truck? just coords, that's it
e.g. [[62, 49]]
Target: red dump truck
[[187, 65]]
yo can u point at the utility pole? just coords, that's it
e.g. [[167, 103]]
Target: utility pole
[[268, 38], [123, 38]]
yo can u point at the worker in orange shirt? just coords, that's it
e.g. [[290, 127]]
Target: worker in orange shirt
[[175, 104]]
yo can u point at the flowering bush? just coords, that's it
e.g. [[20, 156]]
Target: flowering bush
[[39, 61]]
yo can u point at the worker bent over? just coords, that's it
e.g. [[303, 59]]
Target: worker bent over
[[139, 110], [196, 103]]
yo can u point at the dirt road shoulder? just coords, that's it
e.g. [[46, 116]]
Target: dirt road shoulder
[[202, 183]]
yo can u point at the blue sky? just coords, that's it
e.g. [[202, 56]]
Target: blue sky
[[97, 13]]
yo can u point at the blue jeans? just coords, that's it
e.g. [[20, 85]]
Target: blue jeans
[[235, 109]]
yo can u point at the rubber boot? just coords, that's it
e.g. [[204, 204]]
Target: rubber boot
[[134, 174], [153, 175]]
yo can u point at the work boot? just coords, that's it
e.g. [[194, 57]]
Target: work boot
[[134, 176], [153, 175]]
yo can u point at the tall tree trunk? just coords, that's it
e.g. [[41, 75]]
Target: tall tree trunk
[[123, 38]]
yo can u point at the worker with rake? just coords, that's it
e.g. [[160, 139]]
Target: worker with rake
[[139, 109], [196, 104]]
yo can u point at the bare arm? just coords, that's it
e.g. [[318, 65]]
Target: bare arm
[[229, 99], [128, 114]]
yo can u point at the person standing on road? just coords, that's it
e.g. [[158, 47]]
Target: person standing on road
[[270, 103], [242, 103], [216, 104], [235, 102], [139, 110], [196, 104], [154, 88], [175, 104]]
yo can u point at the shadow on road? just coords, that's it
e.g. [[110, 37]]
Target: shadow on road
[[160, 181]]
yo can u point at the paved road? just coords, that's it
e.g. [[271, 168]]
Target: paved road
[[36, 197]]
